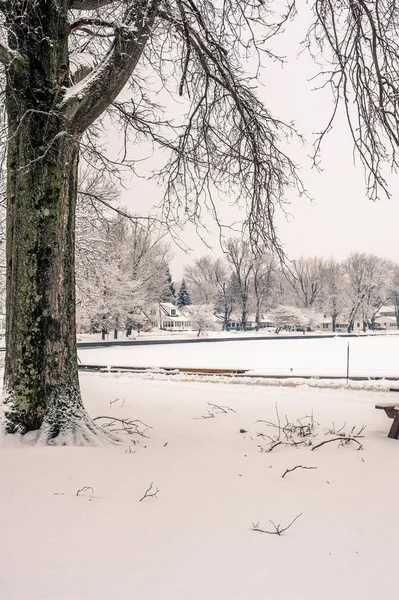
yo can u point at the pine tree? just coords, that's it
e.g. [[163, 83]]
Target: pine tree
[[169, 292], [183, 298]]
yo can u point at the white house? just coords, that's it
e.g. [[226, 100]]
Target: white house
[[171, 318], [341, 325], [234, 323], [388, 323]]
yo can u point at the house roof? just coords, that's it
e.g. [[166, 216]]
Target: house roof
[[167, 307], [386, 309]]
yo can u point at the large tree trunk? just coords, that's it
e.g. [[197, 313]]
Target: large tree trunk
[[41, 378], [41, 386]]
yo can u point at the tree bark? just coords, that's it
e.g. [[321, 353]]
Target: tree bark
[[41, 386]]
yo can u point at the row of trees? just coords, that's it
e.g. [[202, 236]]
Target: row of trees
[[122, 270], [243, 282]]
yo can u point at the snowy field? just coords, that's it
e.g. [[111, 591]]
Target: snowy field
[[369, 356], [195, 540]]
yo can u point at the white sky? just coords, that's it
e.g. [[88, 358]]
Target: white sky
[[341, 219]]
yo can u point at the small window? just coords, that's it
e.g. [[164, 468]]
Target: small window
[[172, 312]]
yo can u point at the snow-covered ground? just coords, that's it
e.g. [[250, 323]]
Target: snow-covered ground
[[196, 540], [160, 334], [369, 356]]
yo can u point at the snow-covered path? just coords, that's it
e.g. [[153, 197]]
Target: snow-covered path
[[369, 356], [195, 540]]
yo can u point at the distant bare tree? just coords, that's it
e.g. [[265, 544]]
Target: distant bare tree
[[203, 278], [211, 284], [306, 277], [240, 256], [264, 279], [334, 294], [367, 280]]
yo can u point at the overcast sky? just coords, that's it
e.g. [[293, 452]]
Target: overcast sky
[[340, 219]]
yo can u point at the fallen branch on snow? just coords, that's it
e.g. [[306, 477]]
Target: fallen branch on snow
[[215, 410], [130, 426], [293, 469], [86, 488], [278, 530], [147, 493], [343, 440]]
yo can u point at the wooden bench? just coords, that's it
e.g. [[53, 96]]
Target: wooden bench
[[392, 411]]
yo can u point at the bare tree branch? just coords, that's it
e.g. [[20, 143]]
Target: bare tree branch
[[278, 530], [293, 469], [104, 84], [86, 488], [342, 439], [359, 40], [150, 493]]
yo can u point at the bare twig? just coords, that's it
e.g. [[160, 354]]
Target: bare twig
[[342, 439], [274, 445], [129, 450], [215, 410], [223, 409], [111, 402], [278, 530], [293, 469], [86, 488], [148, 494]]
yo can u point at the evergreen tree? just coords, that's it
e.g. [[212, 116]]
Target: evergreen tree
[[169, 292], [183, 298]]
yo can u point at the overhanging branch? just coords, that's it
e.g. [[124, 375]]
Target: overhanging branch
[[85, 103]]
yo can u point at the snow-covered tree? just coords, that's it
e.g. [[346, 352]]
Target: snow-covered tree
[[144, 256], [120, 265], [367, 284], [288, 317], [183, 297], [201, 317]]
